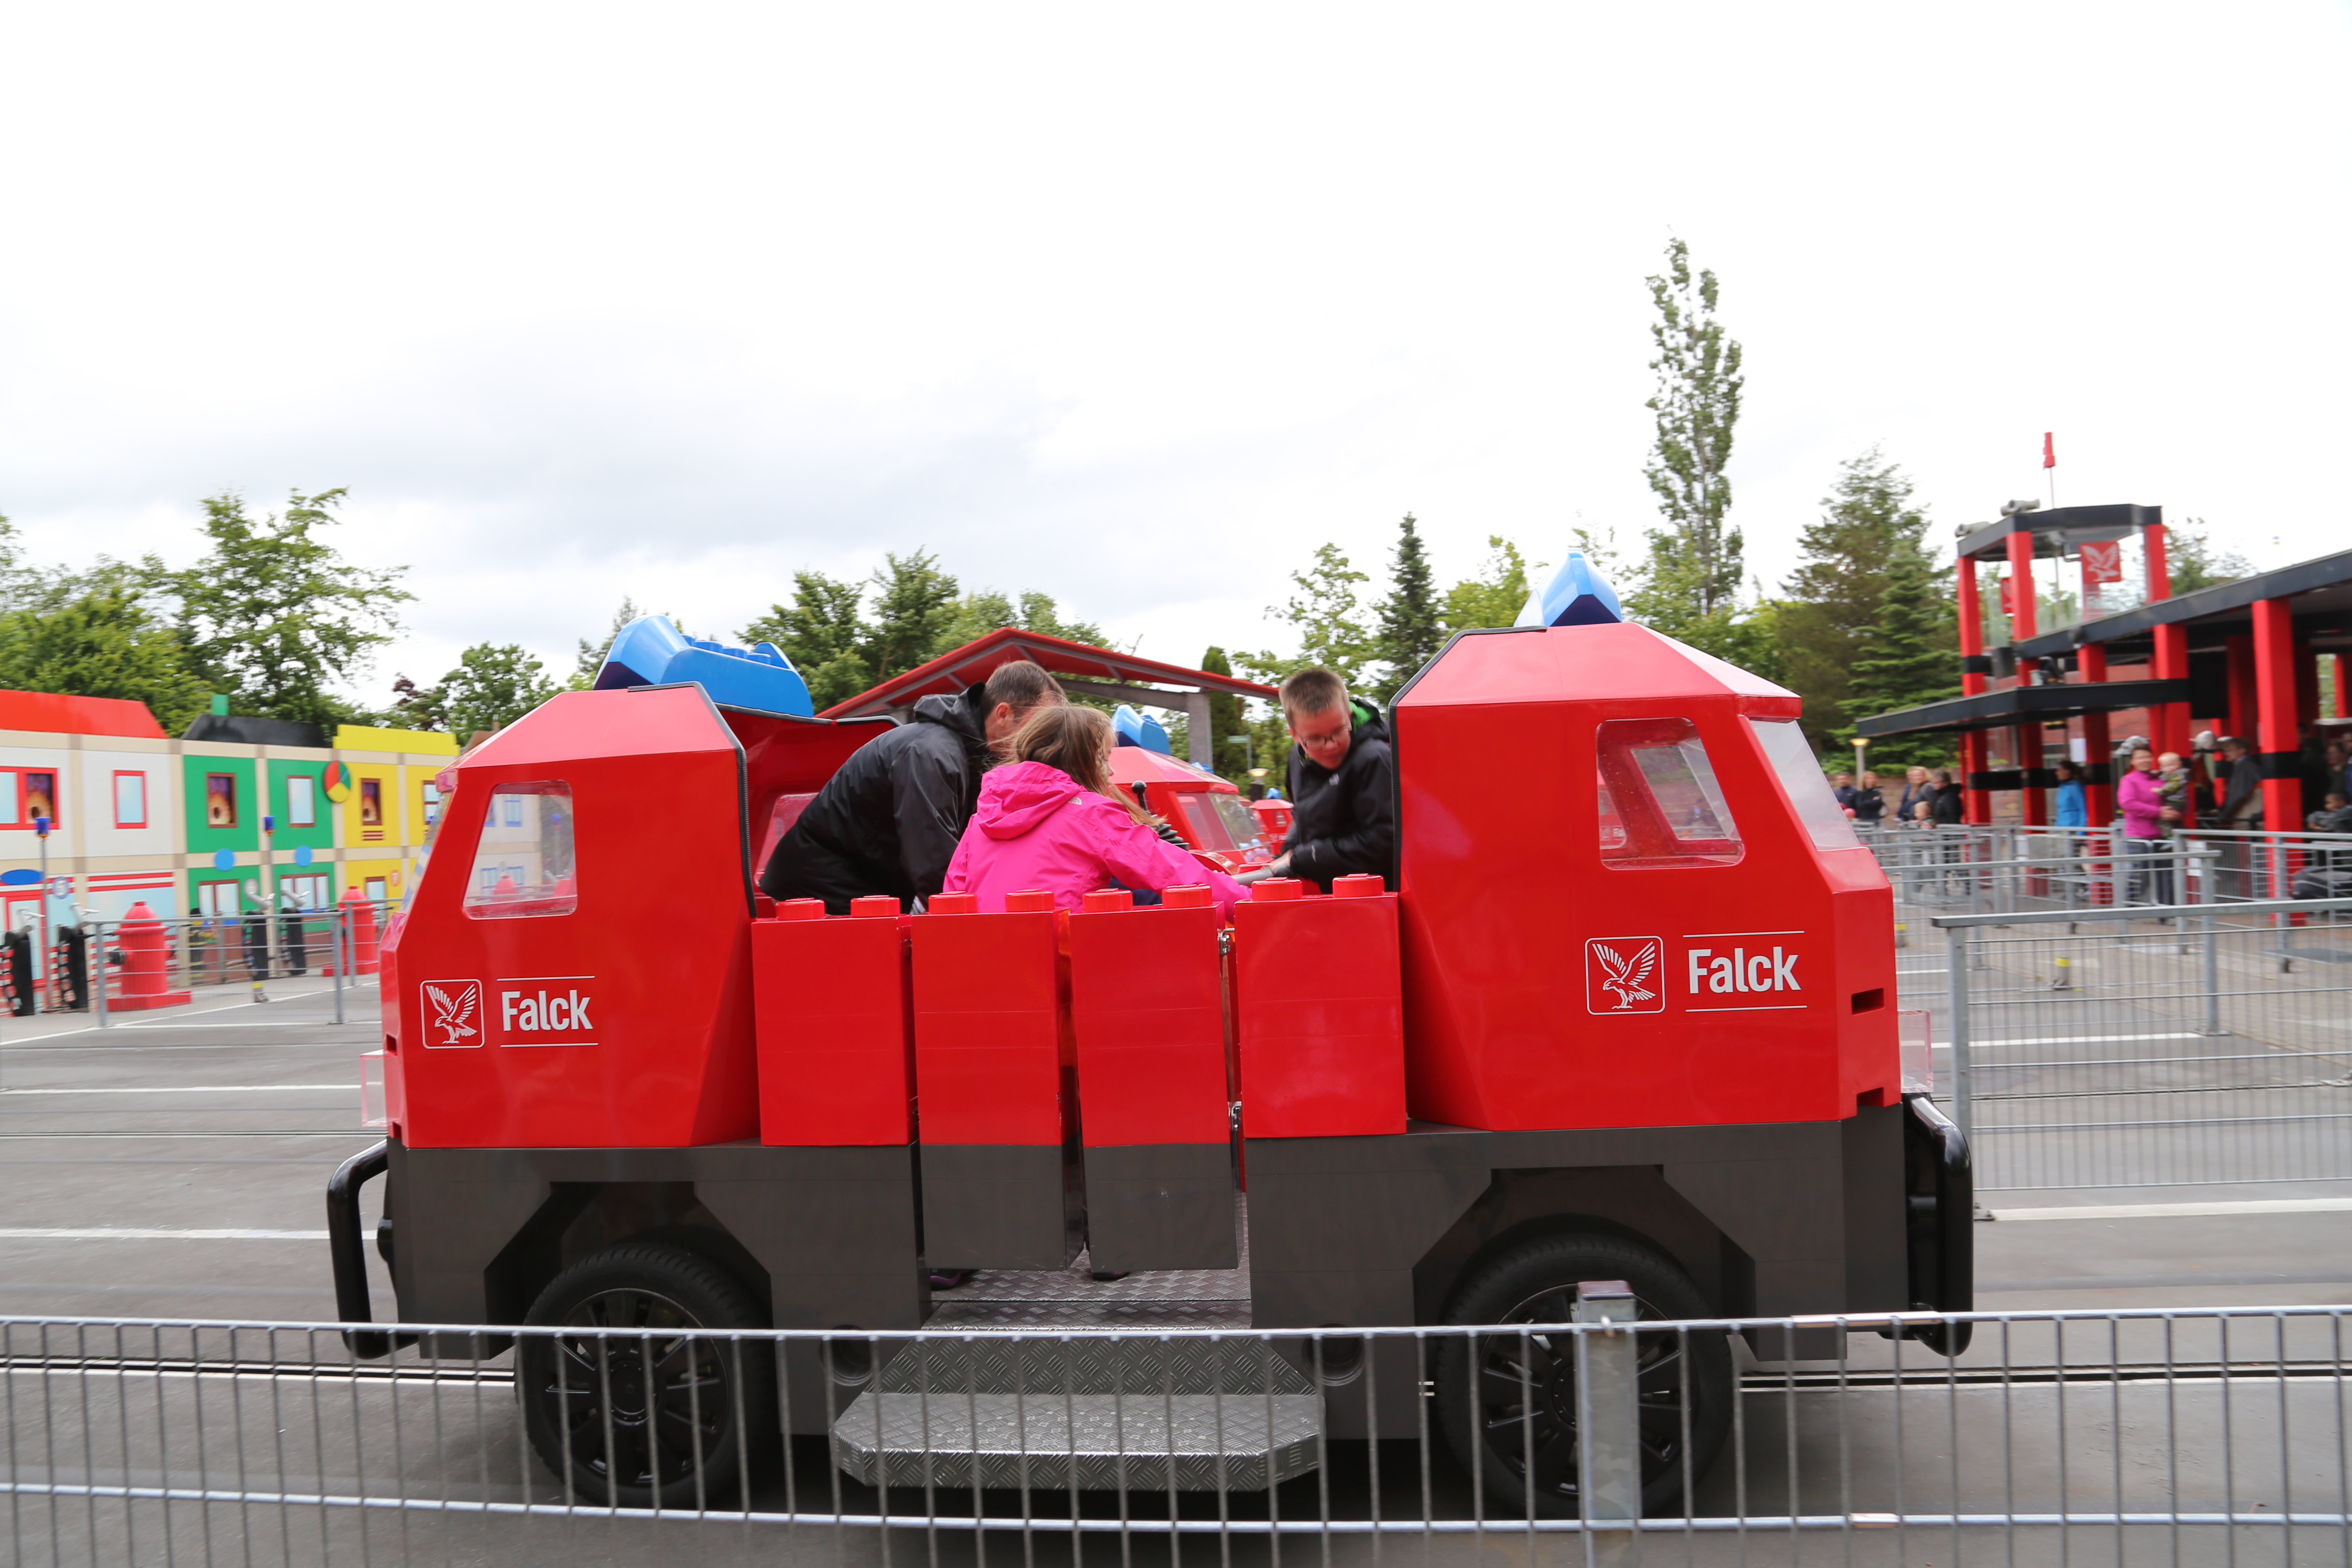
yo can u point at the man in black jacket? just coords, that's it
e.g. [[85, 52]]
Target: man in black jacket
[[889, 820], [1342, 784]]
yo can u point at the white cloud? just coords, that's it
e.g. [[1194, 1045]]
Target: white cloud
[[1137, 308]]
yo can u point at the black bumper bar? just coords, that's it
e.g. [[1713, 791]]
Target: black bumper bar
[[345, 1244]]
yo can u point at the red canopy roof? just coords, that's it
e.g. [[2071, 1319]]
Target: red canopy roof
[[59, 714], [978, 659]]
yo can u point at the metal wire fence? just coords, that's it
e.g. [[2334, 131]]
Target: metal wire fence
[[2109, 1437], [106, 968], [2181, 1045]]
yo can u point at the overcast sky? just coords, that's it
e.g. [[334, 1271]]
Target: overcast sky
[[1138, 306]]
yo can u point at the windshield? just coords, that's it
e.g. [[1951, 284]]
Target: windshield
[[1240, 823]]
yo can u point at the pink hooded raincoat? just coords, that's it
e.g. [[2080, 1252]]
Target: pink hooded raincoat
[[1037, 829]]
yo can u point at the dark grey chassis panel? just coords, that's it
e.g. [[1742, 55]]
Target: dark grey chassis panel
[[1372, 1231], [833, 1228], [1161, 1205], [999, 1205]]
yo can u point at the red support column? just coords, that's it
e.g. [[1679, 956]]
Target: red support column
[[1975, 806], [2274, 716], [2034, 807], [2343, 701], [2168, 722], [2240, 656], [2098, 799]]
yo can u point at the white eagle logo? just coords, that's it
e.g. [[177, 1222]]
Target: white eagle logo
[[455, 1015], [1626, 975]]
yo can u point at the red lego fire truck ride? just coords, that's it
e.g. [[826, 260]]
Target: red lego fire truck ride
[[1629, 1017]]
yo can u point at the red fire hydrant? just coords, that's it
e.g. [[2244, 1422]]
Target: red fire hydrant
[[360, 932], [146, 963]]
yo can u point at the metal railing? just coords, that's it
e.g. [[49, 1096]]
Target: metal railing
[[2179, 1044], [2095, 866], [2128, 1436], [88, 967]]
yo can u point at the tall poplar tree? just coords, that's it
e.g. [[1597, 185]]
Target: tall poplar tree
[[1693, 568], [1410, 629]]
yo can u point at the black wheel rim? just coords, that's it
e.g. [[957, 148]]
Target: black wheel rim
[[643, 1410], [1524, 1395]]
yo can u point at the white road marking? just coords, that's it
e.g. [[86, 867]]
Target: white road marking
[[197, 1089], [2183, 1210], [141, 1233]]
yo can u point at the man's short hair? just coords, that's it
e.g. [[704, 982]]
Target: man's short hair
[[1316, 691], [1022, 684]]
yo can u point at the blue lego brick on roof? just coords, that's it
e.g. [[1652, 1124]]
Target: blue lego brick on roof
[[650, 651]]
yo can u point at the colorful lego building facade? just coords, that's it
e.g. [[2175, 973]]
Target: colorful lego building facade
[[199, 825]]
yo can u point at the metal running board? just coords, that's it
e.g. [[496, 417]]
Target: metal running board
[[1192, 1415]]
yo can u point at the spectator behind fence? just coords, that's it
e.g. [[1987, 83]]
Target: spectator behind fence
[[1916, 788], [1342, 785], [1841, 791], [2073, 810], [1944, 799], [2140, 800], [1869, 802], [890, 819], [1052, 818], [2242, 800]]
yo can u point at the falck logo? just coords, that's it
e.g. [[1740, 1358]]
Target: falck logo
[[1621, 975], [452, 1012]]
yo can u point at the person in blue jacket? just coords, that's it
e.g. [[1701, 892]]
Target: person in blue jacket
[[2072, 811]]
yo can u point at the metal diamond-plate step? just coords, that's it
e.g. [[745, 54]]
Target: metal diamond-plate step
[[1189, 1442], [1147, 1312], [1002, 1410]]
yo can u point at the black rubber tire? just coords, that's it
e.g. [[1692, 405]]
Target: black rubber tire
[[1536, 1283], [679, 1412]]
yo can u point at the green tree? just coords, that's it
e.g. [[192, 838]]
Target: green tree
[[273, 616], [98, 634], [591, 660], [913, 603], [1410, 630], [1229, 758], [493, 686], [2195, 562], [822, 631], [1830, 601], [1330, 621], [1693, 567], [1906, 659], [1494, 596], [979, 612]]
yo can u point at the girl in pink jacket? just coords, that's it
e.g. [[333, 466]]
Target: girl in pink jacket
[[1052, 818]]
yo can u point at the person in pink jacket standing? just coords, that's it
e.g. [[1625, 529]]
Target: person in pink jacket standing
[[1052, 818], [2140, 800]]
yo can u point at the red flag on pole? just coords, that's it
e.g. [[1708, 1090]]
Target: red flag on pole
[[2049, 451]]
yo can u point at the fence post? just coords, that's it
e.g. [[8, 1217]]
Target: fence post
[[1608, 1420], [2212, 940], [98, 978], [1957, 939], [336, 947]]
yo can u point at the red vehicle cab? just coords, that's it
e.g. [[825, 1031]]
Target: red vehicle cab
[[1207, 810], [1653, 1035]]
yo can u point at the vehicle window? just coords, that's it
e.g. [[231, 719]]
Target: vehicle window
[[1808, 787], [1660, 804], [523, 864], [1202, 825], [1242, 825]]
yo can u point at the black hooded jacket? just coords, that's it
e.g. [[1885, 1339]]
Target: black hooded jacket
[[888, 822], [1344, 823]]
